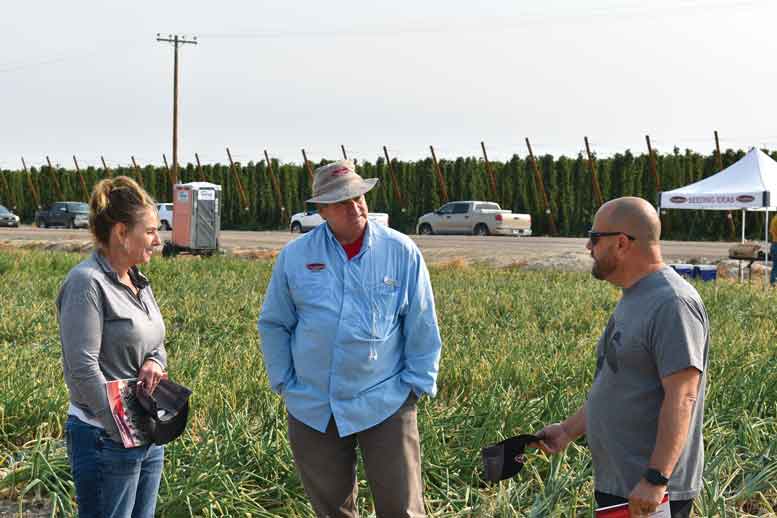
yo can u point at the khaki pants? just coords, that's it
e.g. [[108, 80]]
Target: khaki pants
[[326, 463]]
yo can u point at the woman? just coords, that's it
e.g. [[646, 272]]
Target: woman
[[111, 329]]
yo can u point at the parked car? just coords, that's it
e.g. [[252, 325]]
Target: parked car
[[69, 214], [165, 211], [8, 218], [481, 218], [305, 221]]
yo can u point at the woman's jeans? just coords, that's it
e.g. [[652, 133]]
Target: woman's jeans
[[112, 481], [773, 257]]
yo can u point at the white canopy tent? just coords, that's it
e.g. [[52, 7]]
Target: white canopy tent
[[750, 184]]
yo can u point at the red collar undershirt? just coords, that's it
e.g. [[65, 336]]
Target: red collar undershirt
[[354, 248]]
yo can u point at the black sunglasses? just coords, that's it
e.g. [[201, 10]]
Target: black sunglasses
[[594, 236]]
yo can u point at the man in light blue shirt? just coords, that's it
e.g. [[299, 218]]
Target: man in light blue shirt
[[350, 341]]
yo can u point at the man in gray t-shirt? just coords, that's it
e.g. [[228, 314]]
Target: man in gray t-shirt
[[643, 415]]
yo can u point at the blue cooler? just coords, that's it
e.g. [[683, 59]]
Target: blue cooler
[[686, 270], [706, 272]]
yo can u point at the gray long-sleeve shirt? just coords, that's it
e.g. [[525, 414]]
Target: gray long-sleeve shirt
[[107, 333]]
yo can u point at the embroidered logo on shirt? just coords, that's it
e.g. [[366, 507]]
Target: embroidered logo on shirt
[[315, 267]]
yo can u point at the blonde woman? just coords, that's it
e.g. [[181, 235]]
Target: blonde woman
[[111, 328]]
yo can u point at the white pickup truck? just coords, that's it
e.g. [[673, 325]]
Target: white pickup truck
[[481, 218], [305, 221]]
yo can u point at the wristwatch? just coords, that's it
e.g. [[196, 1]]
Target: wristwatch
[[655, 477]]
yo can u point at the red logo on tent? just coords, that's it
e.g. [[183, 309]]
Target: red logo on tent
[[315, 267], [678, 199], [745, 198]]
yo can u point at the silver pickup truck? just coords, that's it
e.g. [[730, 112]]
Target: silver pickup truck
[[481, 218]]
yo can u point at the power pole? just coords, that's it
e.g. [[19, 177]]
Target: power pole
[[541, 187], [176, 41]]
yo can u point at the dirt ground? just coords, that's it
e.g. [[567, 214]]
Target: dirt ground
[[10, 509], [530, 252]]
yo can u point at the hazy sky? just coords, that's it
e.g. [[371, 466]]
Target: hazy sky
[[88, 78]]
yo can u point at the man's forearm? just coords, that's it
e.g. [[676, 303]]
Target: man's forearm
[[673, 422], [574, 425]]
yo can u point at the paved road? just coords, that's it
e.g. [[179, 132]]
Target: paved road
[[500, 250]]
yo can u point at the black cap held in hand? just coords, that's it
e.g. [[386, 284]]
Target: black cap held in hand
[[167, 410], [504, 459]]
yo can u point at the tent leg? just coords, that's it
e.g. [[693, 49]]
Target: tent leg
[[766, 257], [741, 271]]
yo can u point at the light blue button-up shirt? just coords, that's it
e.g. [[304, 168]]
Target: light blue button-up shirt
[[349, 338]]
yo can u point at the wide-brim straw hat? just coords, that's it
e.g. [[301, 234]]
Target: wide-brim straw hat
[[338, 181]]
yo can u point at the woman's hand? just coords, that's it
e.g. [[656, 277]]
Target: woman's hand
[[150, 375]]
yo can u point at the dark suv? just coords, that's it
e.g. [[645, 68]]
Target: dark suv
[[69, 214]]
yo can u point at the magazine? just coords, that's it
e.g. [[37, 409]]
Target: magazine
[[622, 510], [126, 411]]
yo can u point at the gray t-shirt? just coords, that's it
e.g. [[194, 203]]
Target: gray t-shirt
[[107, 333], [658, 328]]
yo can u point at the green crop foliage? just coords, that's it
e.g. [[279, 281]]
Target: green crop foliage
[[567, 181], [518, 353]]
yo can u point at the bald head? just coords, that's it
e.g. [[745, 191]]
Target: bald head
[[633, 216], [619, 260]]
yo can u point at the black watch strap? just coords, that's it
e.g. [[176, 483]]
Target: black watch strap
[[655, 477]]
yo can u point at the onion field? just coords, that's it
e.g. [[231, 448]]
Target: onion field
[[518, 352]]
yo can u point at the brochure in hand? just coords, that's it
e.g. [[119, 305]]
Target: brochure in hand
[[622, 510], [127, 412]]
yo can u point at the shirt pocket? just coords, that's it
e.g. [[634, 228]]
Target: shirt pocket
[[384, 307], [310, 289]]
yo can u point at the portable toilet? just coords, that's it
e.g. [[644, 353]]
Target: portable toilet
[[197, 217]]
